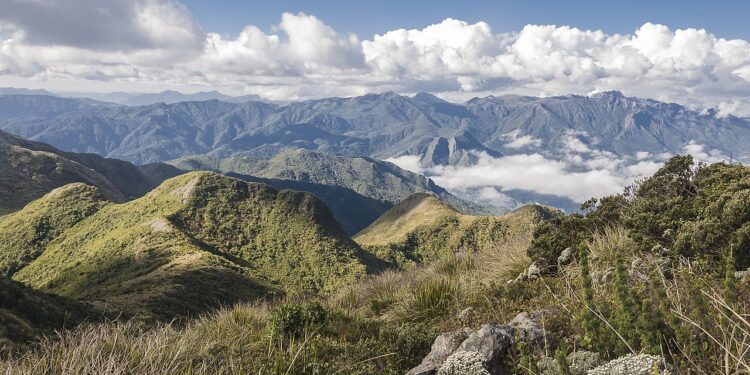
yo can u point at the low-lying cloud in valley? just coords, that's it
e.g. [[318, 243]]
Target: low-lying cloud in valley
[[576, 174], [158, 42]]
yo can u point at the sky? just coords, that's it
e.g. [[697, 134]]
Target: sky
[[691, 52], [727, 19]]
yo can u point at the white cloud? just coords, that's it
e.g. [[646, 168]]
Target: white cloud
[[532, 172], [147, 41], [494, 197], [517, 141], [408, 162], [700, 153], [577, 177], [571, 143]]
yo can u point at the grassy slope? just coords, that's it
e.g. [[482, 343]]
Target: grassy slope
[[342, 182], [196, 241], [28, 170], [25, 313], [25, 234], [423, 228]]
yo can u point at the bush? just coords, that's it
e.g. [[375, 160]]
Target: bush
[[292, 319]]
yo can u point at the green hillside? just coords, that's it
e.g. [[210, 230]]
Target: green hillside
[[28, 170], [357, 189], [25, 314], [196, 241], [25, 234], [422, 228]]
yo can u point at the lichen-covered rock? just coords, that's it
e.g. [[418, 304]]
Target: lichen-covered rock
[[529, 330], [582, 361], [566, 256], [641, 364], [741, 274], [466, 316], [443, 346], [492, 342], [464, 363], [548, 366], [533, 271]]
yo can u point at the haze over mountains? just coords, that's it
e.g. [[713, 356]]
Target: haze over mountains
[[484, 149]]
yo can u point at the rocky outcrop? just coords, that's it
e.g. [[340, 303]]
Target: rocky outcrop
[[489, 344], [492, 343], [442, 348], [456, 350]]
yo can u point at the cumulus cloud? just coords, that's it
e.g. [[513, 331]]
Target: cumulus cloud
[[305, 45], [300, 57], [531, 172]]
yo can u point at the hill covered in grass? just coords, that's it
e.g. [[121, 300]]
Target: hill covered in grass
[[27, 233], [196, 241], [26, 314], [423, 228], [357, 189], [29, 169]]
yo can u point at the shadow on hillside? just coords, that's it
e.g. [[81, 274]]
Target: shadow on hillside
[[352, 210]]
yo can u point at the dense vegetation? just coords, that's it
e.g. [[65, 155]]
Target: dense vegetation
[[660, 266], [197, 241], [26, 314]]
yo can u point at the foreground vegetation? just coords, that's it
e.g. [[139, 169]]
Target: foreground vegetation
[[657, 269]]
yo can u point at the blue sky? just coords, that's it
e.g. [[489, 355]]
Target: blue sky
[[726, 18]]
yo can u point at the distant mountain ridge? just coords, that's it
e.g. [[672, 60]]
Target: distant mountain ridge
[[375, 125], [29, 169], [170, 97]]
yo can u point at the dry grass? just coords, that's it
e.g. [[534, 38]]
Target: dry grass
[[436, 293], [207, 345]]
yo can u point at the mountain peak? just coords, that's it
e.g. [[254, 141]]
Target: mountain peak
[[416, 210], [608, 95], [427, 98]]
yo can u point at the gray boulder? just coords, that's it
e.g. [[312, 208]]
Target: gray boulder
[[530, 330], [443, 346], [492, 343]]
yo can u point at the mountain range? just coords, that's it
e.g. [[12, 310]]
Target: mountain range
[[375, 125]]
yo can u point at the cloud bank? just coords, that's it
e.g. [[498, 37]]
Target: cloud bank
[[576, 173], [158, 41]]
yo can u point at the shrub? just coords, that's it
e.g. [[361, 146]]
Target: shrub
[[292, 319]]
